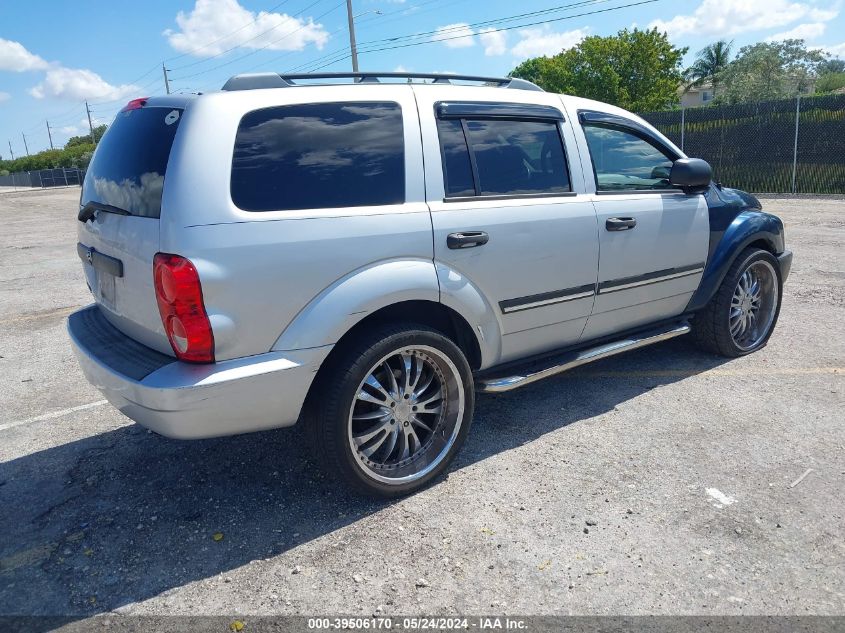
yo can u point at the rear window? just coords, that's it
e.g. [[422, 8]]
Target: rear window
[[319, 155], [128, 167], [502, 157]]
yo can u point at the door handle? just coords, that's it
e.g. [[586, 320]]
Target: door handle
[[467, 239], [620, 224]]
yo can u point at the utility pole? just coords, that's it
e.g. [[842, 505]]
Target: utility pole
[[24, 143], [166, 80], [90, 125], [49, 135], [352, 45], [11, 151], [795, 144]]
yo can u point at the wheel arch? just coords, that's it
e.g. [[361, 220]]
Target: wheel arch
[[750, 228], [422, 312]]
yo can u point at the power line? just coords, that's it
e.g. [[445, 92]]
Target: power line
[[517, 26], [237, 59], [475, 25], [332, 58], [405, 11]]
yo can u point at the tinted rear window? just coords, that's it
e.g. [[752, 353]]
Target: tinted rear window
[[128, 168], [319, 155]]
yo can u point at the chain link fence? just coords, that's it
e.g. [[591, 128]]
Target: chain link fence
[[786, 146], [42, 178]]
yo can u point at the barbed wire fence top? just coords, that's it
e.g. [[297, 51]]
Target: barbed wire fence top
[[752, 146]]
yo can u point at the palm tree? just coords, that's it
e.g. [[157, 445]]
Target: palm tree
[[709, 62]]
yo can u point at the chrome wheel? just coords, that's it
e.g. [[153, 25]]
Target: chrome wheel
[[406, 414], [753, 305]]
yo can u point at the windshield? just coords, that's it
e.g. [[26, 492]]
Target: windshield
[[127, 170]]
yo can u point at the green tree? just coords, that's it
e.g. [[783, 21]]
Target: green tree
[[75, 156], [709, 63], [830, 82], [830, 66], [635, 69], [771, 70], [85, 139]]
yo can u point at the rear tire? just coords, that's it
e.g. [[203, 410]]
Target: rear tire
[[392, 409], [741, 316]]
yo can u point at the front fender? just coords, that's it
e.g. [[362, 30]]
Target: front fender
[[348, 300], [747, 227]]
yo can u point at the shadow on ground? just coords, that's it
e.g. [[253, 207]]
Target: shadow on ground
[[123, 516]]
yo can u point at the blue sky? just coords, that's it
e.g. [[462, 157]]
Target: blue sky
[[54, 57]]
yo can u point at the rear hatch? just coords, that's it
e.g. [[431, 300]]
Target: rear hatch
[[119, 216]]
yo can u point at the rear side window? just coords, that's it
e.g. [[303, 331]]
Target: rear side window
[[128, 167], [319, 155], [502, 157]]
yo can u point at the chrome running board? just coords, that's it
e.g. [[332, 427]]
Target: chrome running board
[[568, 360]]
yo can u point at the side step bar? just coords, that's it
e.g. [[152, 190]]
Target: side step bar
[[568, 360]]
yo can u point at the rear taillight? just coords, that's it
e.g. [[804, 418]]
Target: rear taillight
[[135, 104], [182, 310]]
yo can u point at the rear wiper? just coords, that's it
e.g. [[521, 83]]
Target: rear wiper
[[90, 210]]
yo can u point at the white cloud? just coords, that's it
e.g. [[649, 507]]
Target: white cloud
[[837, 50], [808, 31], [458, 35], [729, 17], [14, 57], [545, 42], [400, 69], [207, 30], [82, 126], [4, 96], [76, 84], [494, 42]]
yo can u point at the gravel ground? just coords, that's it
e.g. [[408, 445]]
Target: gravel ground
[[657, 482]]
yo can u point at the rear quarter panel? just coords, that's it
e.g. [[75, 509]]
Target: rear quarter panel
[[259, 270]]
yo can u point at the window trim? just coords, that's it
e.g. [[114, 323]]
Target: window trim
[[500, 112], [614, 122], [323, 103], [512, 196]]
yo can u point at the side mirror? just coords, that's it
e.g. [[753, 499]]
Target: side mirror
[[691, 174]]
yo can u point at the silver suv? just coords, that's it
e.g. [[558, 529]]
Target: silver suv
[[365, 252]]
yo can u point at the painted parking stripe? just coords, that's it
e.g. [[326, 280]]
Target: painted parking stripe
[[53, 415], [689, 373]]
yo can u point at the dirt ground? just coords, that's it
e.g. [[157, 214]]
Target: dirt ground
[[656, 482]]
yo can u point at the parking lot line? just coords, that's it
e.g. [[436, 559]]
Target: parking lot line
[[54, 414], [688, 373]]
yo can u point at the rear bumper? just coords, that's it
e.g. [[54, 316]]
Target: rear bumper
[[187, 401], [785, 261]]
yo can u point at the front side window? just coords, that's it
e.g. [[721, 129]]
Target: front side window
[[624, 161], [319, 155], [502, 157]]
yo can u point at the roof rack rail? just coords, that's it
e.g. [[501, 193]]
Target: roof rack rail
[[255, 81]]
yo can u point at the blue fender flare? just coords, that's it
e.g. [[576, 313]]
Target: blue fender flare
[[736, 222]]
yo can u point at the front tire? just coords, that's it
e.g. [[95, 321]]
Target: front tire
[[741, 316], [392, 409]]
